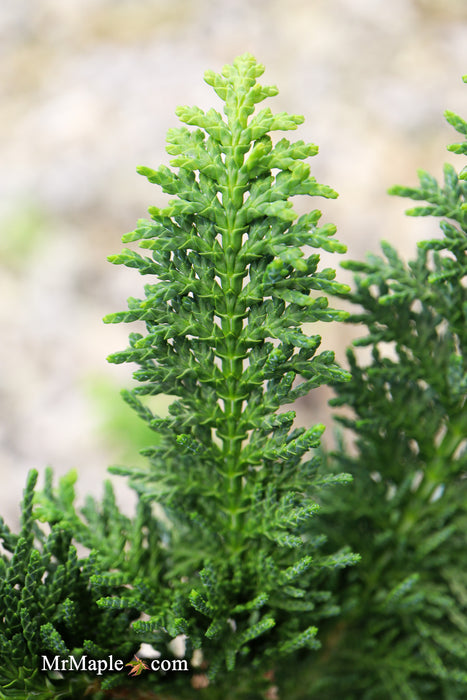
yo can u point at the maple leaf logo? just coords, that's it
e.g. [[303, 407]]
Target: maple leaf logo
[[137, 666]]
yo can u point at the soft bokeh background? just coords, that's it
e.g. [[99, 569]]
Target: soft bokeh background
[[87, 92]]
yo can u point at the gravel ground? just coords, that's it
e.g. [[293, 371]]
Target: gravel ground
[[87, 92]]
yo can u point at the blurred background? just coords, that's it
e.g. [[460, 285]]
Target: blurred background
[[88, 90]]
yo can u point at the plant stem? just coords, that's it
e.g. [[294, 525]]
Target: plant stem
[[232, 361]]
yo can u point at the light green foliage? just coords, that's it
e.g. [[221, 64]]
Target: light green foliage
[[231, 287], [403, 631]]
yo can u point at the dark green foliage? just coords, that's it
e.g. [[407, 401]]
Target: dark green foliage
[[48, 606], [403, 630], [238, 544], [230, 290]]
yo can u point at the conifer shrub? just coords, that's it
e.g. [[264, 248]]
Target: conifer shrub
[[403, 622], [48, 606], [269, 567]]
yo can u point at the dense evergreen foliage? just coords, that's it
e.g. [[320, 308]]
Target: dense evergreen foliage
[[403, 625], [230, 289], [48, 604], [277, 570]]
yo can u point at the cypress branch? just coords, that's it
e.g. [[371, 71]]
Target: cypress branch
[[404, 622], [242, 544], [231, 287]]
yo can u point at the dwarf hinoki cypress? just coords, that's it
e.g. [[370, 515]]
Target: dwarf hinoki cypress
[[404, 608], [237, 550], [230, 289], [48, 606]]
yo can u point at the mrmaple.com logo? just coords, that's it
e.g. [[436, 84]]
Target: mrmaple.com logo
[[60, 664]]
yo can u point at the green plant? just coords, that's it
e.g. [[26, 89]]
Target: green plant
[[246, 540], [227, 563], [402, 630], [47, 605], [231, 289]]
